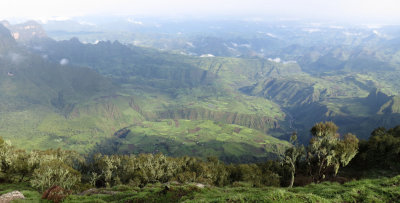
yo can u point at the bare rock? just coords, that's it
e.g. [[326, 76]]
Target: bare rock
[[8, 197], [199, 185]]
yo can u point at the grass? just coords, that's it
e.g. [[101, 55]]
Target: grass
[[89, 123], [76, 108], [205, 97], [200, 138], [365, 190], [94, 121]]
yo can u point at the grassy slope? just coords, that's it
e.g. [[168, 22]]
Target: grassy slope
[[166, 85], [200, 138], [94, 121], [366, 190], [96, 118], [205, 97], [172, 82], [81, 132], [87, 124]]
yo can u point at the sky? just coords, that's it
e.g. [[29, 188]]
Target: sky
[[383, 11]]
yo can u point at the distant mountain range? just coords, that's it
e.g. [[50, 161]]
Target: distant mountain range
[[112, 96]]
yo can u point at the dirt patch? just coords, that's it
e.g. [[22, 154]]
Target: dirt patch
[[194, 130], [258, 140], [237, 130]]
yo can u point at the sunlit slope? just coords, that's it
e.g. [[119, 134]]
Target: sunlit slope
[[185, 87], [202, 138], [307, 85], [36, 92], [46, 104]]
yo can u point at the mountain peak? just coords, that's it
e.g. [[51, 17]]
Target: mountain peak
[[376, 99], [6, 40], [27, 31], [4, 32], [5, 23]]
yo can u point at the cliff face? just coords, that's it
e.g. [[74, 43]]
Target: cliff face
[[287, 92], [6, 40], [376, 99], [25, 32], [258, 122], [392, 106]]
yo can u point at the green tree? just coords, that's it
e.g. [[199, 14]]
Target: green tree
[[346, 150], [327, 151], [14, 163], [382, 150], [292, 155], [55, 172]]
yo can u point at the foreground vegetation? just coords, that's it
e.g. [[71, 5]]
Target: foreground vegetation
[[59, 174], [366, 190], [125, 123]]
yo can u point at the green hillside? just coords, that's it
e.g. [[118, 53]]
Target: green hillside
[[202, 138], [66, 105], [284, 96], [38, 97], [113, 122], [168, 85], [109, 86]]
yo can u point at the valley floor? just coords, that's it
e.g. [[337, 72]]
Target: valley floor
[[366, 190]]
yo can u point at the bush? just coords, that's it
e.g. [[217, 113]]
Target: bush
[[56, 194], [54, 173]]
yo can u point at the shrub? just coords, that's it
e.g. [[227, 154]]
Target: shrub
[[56, 194], [54, 173]]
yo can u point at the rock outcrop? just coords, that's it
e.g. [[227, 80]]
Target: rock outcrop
[[8, 197]]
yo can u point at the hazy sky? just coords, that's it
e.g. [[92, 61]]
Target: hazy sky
[[341, 10]]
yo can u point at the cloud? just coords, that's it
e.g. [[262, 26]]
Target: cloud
[[345, 10], [86, 23], [64, 61], [133, 21], [276, 60], [15, 57], [311, 30]]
